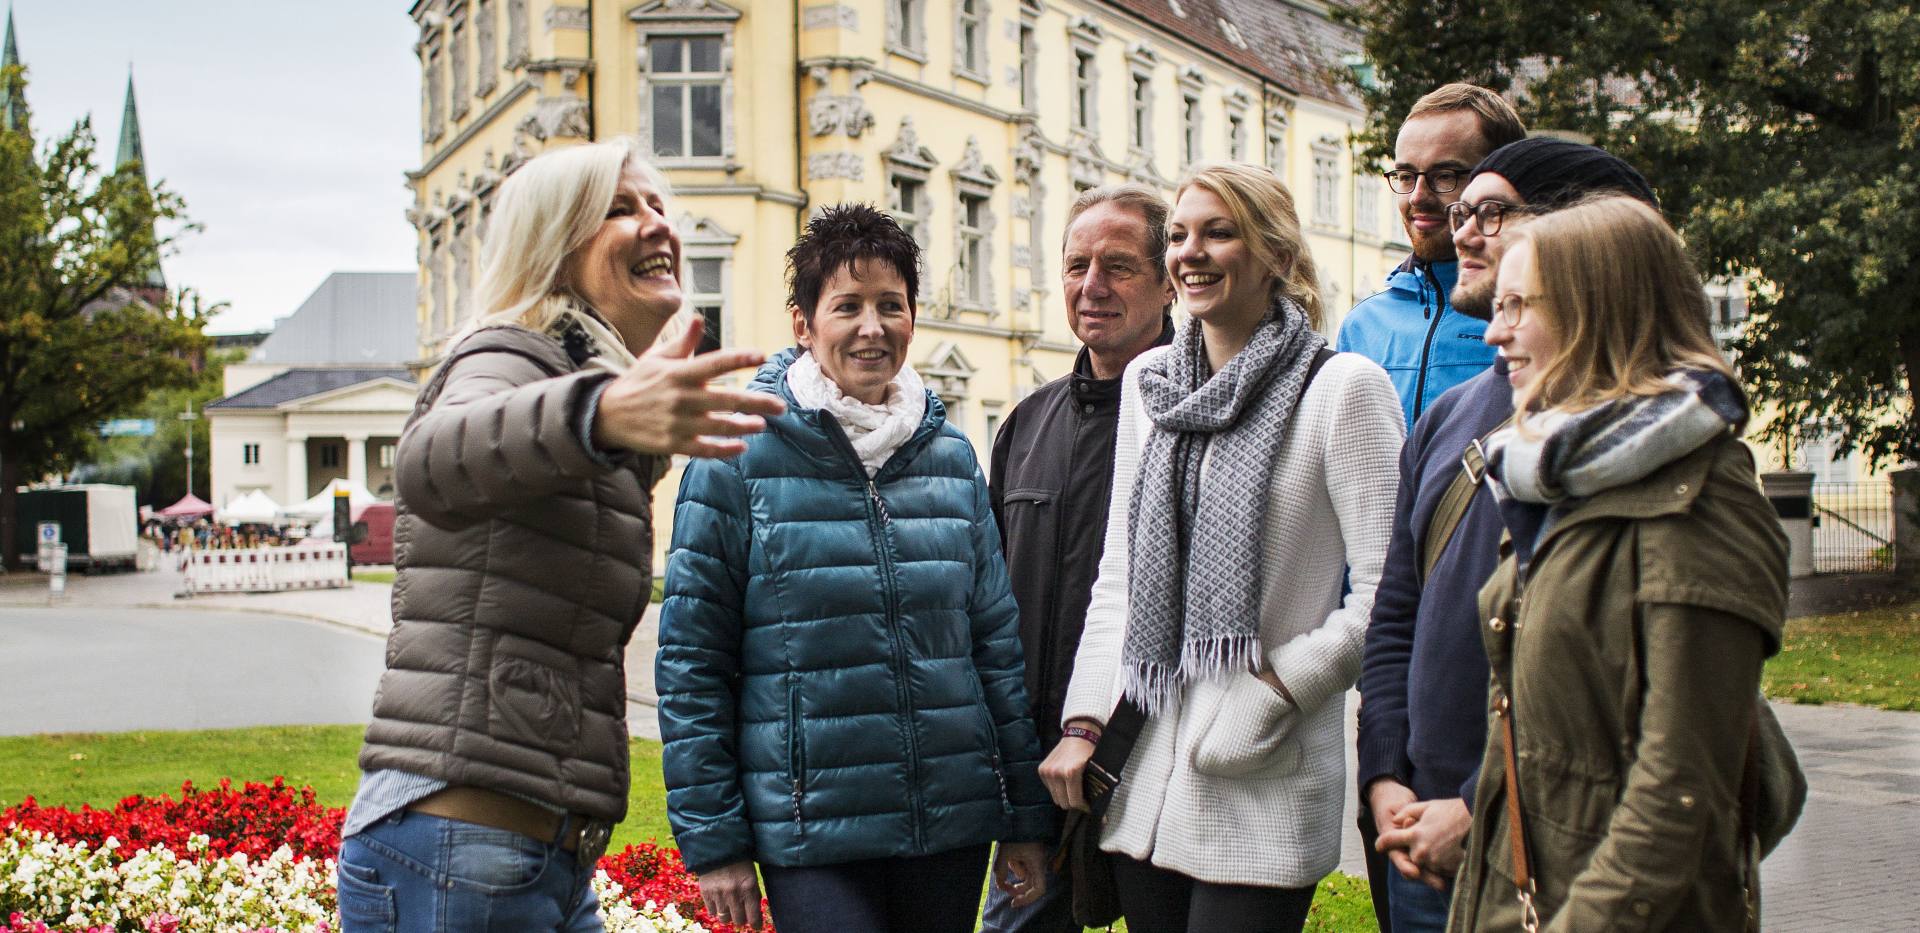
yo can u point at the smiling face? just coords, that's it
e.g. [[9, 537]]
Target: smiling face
[[1450, 141], [1213, 269], [859, 331], [1479, 253], [1116, 295], [1531, 345], [629, 271]]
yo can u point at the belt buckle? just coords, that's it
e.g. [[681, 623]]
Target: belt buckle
[[593, 843]]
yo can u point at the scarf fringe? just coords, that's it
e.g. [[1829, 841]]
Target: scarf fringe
[[1155, 688]]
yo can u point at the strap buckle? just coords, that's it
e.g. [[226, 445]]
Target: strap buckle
[[1474, 462], [594, 836]]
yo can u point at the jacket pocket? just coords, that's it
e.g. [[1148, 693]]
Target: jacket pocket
[[533, 704], [1250, 733], [796, 756], [993, 741]]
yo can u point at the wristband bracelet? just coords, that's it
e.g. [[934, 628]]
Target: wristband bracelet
[[1080, 732]]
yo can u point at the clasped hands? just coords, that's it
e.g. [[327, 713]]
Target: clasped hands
[[1424, 839]]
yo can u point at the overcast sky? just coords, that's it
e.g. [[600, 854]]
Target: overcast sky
[[285, 124]]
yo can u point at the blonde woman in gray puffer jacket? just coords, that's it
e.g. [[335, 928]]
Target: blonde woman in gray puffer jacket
[[496, 762]]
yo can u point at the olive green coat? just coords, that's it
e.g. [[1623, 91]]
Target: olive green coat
[[1633, 651]]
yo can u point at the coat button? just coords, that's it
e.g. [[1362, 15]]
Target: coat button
[[1680, 490], [1497, 625], [1642, 908], [1686, 800], [1087, 409]]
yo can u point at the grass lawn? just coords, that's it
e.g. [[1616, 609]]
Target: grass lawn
[[1871, 657], [100, 769]]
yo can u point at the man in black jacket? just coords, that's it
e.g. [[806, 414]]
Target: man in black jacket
[[1053, 465]]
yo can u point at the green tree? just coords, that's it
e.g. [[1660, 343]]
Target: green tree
[[1781, 136], [76, 346]]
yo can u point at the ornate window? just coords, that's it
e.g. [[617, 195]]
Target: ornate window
[[973, 184], [1029, 64], [686, 79], [1086, 89], [1366, 204], [970, 39], [1326, 182], [457, 55], [1238, 100], [517, 53], [708, 250], [1190, 115], [907, 28], [1277, 142], [1140, 130], [489, 54], [434, 87], [908, 166]]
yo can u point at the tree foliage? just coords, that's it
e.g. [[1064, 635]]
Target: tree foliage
[[1781, 136], [78, 342]]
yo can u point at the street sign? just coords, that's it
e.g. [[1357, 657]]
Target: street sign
[[49, 536]]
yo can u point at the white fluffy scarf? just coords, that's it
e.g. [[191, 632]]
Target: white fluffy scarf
[[875, 430]]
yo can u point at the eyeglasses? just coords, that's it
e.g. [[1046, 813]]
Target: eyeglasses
[[1488, 214], [1439, 181], [1512, 307]]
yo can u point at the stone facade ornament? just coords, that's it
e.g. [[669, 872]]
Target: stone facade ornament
[[517, 29], [488, 66], [568, 17], [826, 165], [556, 118], [834, 16], [838, 113], [972, 166], [906, 147]]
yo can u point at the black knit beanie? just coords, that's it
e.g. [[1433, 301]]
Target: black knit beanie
[[1549, 172]]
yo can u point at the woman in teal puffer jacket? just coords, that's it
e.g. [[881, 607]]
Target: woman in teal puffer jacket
[[840, 673]]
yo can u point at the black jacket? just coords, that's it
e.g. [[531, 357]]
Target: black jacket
[[1049, 485]]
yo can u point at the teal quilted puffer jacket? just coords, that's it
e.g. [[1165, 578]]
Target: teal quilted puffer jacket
[[840, 674]]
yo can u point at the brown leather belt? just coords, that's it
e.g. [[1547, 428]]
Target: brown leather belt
[[582, 835]]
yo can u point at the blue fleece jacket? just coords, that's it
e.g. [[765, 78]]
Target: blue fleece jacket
[[1414, 333], [1423, 672]]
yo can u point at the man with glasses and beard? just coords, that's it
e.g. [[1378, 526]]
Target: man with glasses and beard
[[1423, 672], [1408, 328]]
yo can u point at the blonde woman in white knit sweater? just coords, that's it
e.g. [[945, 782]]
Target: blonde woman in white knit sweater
[[1238, 499]]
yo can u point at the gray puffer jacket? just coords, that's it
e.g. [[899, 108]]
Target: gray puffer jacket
[[524, 563]]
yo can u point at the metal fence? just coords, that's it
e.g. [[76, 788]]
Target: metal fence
[[1852, 527]]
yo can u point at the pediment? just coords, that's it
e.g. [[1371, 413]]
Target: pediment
[[378, 395], [680, 11]]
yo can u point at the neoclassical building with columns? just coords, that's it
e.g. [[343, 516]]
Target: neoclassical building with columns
[[975, 122], [324, 398]]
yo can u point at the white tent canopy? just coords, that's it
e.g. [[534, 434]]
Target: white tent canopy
[[255, 507], [321, 506]]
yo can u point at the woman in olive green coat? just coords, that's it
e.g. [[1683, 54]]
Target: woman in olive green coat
[[1643, 585]]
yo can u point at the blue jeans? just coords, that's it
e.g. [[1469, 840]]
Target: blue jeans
[[416, 873], [1416, 908], [1052, 913]]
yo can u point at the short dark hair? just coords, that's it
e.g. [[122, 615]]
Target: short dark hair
[[1500, 124], [841, 235]]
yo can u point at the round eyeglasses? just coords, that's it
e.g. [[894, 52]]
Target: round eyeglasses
[[1488, 214], [1439, 181], [1512, 308]]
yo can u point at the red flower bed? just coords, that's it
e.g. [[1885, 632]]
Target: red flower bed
[[647, 872], [255, 820]]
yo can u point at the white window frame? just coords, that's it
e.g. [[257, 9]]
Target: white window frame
[[704, 240], [685, 19], [1192, 116], [907, 160], [974, 182], [1085, 75], [1366, 204], [250, 454], [1326, 182], [1028, 37], [1140, 112], [1277, 141], [907, 29], [975, 67]]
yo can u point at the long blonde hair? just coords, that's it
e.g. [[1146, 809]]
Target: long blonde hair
[[1617, 287], [1262, 208], [545, 210]]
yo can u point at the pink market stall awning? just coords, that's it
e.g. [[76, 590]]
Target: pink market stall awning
[[191, 506]]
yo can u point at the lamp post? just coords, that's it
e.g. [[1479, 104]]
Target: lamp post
[[189, 417]]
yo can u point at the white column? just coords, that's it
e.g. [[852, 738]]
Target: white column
[[297, 491], [357, 460]]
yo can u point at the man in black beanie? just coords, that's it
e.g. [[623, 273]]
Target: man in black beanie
[[1423, 673]]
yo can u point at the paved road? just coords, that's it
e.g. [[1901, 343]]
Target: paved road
[[110, 670]]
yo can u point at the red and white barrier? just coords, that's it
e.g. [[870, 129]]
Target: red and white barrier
[[266, 570]]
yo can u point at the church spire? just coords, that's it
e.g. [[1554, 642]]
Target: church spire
[[132, 152], [13, 95]]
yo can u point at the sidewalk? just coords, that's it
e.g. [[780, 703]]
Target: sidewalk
[[364, 607]]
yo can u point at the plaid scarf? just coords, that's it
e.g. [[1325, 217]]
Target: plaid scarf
[[1553, 455], [1193, 583]]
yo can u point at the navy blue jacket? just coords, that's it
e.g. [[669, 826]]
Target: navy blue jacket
[[1414, 333], [839, 672], [1423, 672]]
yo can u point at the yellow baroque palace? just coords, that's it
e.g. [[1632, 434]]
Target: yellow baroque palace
[[975, 122]]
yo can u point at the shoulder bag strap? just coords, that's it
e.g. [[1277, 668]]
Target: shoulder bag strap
[[1110, 754], [1454, 502], [1523, 879]]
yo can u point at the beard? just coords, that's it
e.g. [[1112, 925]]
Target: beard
[[1431, 247], [1475, 299]]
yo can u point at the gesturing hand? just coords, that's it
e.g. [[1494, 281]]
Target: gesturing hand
[[663, 405], [732, 894]]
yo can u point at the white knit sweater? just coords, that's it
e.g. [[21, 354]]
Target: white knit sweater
[[1234, 786]]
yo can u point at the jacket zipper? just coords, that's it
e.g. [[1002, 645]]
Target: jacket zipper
[[878, 520], [1426, 349], [993, 745], [796, 757]]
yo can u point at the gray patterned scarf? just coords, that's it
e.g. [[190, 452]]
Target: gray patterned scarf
[[1571, 455], [1193, 581]]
